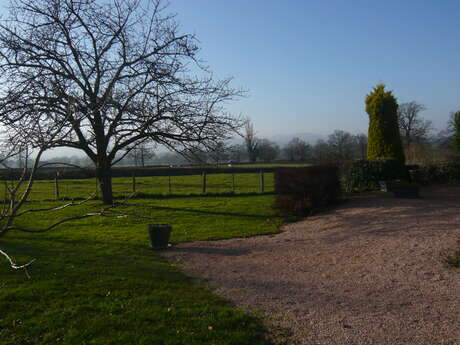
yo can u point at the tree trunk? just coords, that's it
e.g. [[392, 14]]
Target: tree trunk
[[104, 176], [142, 157]]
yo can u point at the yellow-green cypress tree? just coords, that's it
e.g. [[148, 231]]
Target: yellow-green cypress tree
[[456, 123], [384, 140]]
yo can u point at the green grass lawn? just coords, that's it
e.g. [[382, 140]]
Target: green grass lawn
[[155, 185], [96, 281]]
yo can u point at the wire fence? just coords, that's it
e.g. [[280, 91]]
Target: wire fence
[[220, 183]]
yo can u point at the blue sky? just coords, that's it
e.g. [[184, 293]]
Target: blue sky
[[309, 64]]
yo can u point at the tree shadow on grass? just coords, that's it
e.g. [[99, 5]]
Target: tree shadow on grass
[[87, 258], [219, 213]]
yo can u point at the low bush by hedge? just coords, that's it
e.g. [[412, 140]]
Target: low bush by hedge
[[365, 174], [436, 173], [301, 190]]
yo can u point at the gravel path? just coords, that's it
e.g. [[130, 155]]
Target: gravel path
[[369, 273]]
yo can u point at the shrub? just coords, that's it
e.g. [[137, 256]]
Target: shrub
[[365, 174], [384, 140], [301, 190], [437, 173]]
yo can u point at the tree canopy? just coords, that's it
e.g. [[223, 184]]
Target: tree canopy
[[113, 74]]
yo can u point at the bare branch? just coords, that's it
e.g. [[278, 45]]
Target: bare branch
[[111, 75], [58, 208], [16, 266], [251, 141], [413, 128], [54, 225]]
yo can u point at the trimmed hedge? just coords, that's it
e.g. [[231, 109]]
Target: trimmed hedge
[[437, 173], [366, 174], [301, 190]]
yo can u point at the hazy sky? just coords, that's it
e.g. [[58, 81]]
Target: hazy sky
[[309, 64]]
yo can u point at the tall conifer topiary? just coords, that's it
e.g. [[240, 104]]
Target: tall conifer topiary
[[456, 125], [384, 140]]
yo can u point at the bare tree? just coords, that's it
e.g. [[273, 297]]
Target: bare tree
[[445, 138], [219, 152], [423, 154], [413, 128], [140, 154], [322, 152], [114, 73], [444, 143], [17, 194], [361, 143], [341, 144], [195, 155], [237, 153], [250, 140], [267, 150], [31, 139], [19, 141], [297, 150]]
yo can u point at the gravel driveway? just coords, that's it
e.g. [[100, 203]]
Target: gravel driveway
[[370, 272]]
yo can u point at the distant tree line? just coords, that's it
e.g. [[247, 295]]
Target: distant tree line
[[421, 145]]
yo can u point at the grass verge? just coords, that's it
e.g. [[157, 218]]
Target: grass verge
[[96, 281]]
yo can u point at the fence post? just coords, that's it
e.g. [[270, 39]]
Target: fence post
[[169, 183], [97, 189], [261, 181], [134, 183], [233, 182], [203, 175], [56, 185]]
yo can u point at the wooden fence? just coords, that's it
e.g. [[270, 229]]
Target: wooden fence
[[204, 183]]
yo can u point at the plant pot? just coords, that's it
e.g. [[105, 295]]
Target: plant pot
[[385, 186], [405, 191], [159, 235]]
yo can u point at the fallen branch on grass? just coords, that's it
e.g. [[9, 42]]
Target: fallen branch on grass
[[105, 212], [15, 266], [70, 204], [52, 226]]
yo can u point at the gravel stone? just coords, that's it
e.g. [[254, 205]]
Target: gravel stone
[[372, 271]]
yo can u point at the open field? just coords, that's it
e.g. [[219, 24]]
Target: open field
[[96, 281], [241, 183]]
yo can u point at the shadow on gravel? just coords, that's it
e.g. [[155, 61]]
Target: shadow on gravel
[[209, 250]]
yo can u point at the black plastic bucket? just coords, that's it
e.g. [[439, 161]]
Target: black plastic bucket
[[159, 235]]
